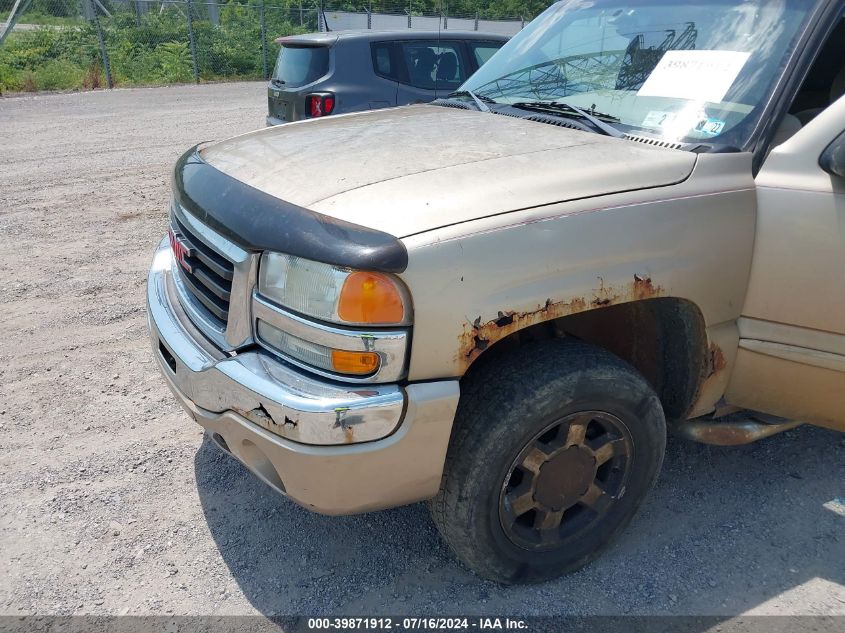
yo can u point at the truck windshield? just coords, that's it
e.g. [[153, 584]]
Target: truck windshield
[[680, 71], [300, 65]]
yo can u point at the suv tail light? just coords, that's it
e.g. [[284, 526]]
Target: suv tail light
[[317, 105]]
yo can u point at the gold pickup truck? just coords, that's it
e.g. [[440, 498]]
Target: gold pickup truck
[[631, 218]]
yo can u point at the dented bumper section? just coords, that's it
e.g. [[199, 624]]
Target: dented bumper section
[[259, 387], [333, 448]]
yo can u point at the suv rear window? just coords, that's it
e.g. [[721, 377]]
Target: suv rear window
[[300, 65], [383, 60]]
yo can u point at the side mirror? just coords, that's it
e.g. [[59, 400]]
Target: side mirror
[[832, 159]]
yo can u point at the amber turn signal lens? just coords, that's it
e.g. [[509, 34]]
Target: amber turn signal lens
[[370, 298], [358, 363]]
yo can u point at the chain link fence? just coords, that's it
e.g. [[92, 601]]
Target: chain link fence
[[89, 44]]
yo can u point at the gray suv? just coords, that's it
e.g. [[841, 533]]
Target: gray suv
[[332, 73]]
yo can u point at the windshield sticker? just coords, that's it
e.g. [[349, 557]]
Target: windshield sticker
[[659, 119], [694, 75], [683, 122], [710, 127]]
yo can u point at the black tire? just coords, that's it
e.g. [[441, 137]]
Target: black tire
[[505, 410]]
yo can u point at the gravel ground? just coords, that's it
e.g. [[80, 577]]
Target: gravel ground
[[114, 503]]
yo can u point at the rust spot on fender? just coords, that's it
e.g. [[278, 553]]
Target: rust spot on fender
[[715, 361], [477, 336], [710, 385], [644, 288]]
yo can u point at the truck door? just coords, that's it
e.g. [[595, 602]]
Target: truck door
[[791, 359]]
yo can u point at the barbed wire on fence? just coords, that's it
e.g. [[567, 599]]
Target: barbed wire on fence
[[87, 44]]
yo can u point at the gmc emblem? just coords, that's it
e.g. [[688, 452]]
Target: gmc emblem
[[181, 250]]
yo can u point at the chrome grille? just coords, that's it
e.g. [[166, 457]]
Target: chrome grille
[[214, 279], [207, 275]]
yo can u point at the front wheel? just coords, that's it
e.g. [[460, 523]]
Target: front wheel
[[554, 448]]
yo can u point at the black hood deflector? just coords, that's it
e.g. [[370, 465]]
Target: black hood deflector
[[257, 221]]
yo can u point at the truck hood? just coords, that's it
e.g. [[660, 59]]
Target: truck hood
[[413, 169]]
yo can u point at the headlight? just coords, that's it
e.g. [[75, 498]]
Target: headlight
[[333, 294]]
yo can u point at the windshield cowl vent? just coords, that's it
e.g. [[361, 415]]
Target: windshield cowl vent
[[539, 118], [655, 142], [554, 121], [452, 104]]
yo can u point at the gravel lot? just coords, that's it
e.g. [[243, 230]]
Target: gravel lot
[[114, 503]]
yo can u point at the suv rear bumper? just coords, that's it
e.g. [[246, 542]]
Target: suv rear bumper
[[248, 400]]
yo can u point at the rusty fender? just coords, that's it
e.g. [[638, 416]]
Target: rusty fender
[[477, 336], [714, 365]]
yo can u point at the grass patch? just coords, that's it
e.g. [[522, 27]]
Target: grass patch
[[150, 50]]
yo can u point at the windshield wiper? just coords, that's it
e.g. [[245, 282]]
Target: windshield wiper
[[277, 82], [479, 101], [560, 108]]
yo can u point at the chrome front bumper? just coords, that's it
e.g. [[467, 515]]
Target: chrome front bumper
[[332, 447]]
